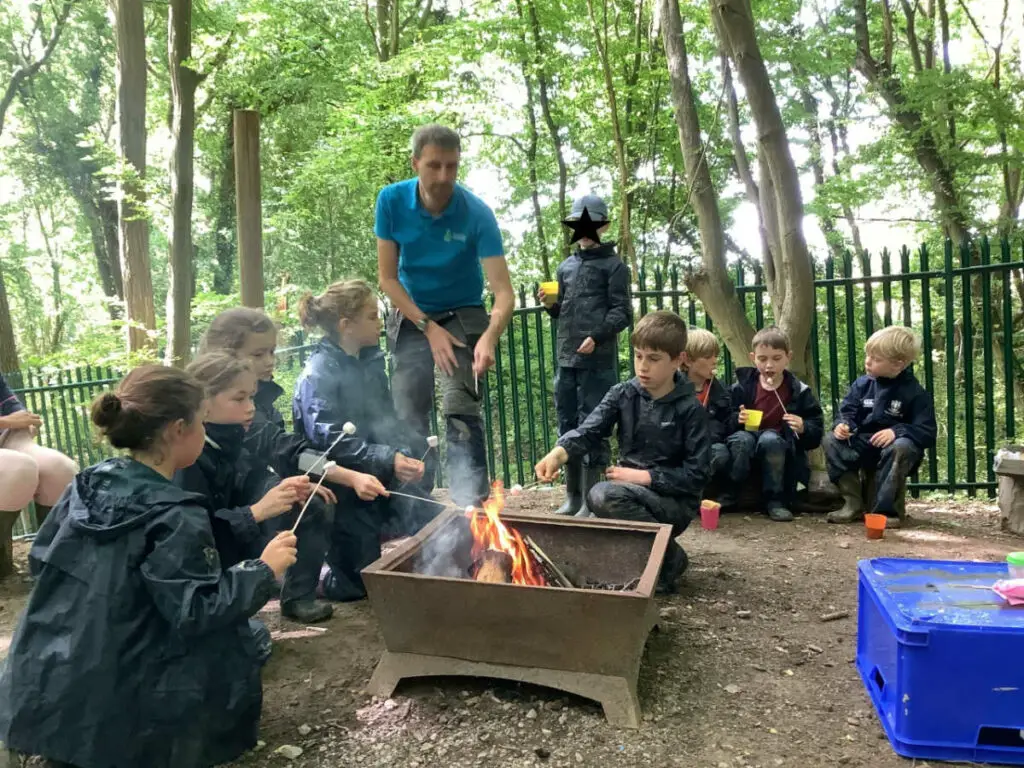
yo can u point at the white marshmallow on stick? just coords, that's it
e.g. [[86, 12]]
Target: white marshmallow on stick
[[347, 430], [327, 468], [432, 441]]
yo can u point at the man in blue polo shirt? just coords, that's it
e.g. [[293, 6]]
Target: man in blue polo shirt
[[435, 242]]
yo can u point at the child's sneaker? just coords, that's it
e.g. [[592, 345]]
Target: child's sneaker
[[780, 514]]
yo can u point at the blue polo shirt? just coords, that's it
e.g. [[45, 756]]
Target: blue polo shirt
[[439, 256]]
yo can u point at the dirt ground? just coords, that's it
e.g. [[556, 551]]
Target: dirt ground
[[719, 687]]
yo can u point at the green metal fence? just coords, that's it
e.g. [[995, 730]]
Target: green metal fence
[[968, 307]]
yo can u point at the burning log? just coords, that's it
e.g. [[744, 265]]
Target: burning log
[[495, 567]]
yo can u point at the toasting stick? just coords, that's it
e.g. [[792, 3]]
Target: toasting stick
[[347, 430], [327, 468]]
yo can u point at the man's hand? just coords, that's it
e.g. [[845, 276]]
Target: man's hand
[[883, 439], [842, 431], [742, 417], [442, 345], [587, 347], [796, 423], [547, 468], [483, 355], [408, 470], [20, 420], [627, 475]]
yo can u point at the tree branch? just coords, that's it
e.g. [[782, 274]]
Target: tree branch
[[915, 51], [26, 71], [373, 29]]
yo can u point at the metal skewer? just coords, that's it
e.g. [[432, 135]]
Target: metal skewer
[[328, 466]]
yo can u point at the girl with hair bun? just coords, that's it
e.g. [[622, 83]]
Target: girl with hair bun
[[135, 648], [345, 380]]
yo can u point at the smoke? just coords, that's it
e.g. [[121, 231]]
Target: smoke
[[467, 460], [448, 553]]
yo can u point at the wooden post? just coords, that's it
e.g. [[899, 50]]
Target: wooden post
[[248, 206]]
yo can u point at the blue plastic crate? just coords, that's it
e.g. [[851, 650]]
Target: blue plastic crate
[[942, 662]]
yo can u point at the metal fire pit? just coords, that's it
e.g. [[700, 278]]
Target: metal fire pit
[[588, 642]]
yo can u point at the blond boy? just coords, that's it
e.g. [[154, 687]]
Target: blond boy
[[885, 423]]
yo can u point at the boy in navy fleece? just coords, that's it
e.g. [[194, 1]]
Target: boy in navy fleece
[[885, 423]]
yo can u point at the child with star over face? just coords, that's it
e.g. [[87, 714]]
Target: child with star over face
[[592, 306]]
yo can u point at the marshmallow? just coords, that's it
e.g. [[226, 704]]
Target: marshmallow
[[349, 428], [516, 489], [432, 441], [470, 509], [329, 466]]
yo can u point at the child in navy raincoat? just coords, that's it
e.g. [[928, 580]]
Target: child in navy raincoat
[[134, 649], [663, 441], [886, 422], [345, 380]]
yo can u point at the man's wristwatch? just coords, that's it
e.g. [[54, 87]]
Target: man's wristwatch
[[422, 324]]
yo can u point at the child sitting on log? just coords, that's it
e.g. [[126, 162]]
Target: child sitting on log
[[700, 364], [886, 422], [247, 501], [664, 448], [345, 380], [790, 423], [134, 648]]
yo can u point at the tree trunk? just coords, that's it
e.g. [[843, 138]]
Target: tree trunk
[[793, 297], [183, 101], [8, 345], [134, 224], [549, 120], [249, 207], [712, 283], [224, 244], [601, 39]]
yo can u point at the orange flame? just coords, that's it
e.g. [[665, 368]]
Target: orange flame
[[490, 533]]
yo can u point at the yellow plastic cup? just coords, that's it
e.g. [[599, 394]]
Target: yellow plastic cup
[[550, 288], [753, 420]]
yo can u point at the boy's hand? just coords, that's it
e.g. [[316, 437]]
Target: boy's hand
[[842, 431], [547, 468], [408, 470], [544, 299], [627, 475], [368, 487], [742, 418], [587, 347], [884, 438], [796, 423], [280, 553]]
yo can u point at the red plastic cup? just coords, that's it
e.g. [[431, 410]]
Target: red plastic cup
[[874, 526], [709, 514]]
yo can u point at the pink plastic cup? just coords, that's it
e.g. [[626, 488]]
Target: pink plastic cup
[[709, 514]]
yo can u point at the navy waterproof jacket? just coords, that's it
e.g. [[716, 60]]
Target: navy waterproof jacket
[[267, 437], [9, 402], [900, 404], [135, 648], [593, 300], [230, 480], [668, 436], [720, 411], [335, 388]]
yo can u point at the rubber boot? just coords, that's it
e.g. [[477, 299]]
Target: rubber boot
[[573, 489], [591, 477], [853, 499]]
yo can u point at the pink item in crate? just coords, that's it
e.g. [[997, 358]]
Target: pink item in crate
[[1011, 590], [709, 511]]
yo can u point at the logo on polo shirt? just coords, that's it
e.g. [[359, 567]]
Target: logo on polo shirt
[[458, 237]]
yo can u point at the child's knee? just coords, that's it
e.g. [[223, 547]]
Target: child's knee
[[771, 444], [19, 480], [601, 498], [903, 450]]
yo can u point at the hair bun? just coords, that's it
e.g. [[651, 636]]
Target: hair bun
[[109, 409]]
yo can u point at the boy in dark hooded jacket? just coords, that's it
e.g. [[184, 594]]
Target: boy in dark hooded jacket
[[663, 441], [886, 422], [592, 307], [700, 364], [790, 423]]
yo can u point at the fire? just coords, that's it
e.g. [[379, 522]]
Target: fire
[[490, 533]]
